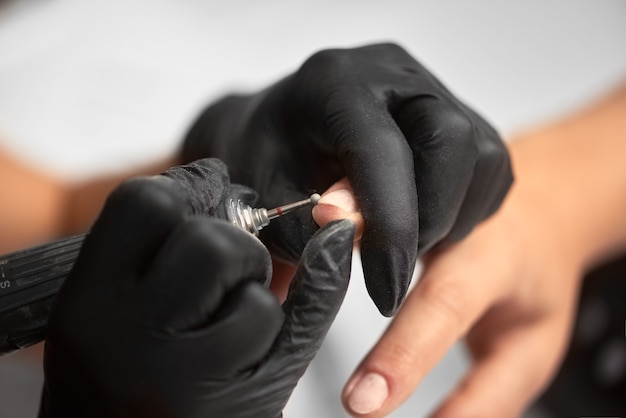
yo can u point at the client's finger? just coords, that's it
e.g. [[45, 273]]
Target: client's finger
[[339, 202], [510, 373], [453, 293]]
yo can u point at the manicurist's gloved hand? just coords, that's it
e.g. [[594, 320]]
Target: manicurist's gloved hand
[[424, 167], [165, 313]]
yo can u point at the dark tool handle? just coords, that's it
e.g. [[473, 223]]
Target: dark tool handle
[[29, 282]]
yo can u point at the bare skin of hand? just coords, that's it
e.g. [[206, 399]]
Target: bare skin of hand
[[510, 288], [512, 296], [32, 205], [516, 316]]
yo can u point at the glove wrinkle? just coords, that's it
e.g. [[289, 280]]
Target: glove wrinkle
[[203, 183]]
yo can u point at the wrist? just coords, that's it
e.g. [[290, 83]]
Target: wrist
[[573, 172]]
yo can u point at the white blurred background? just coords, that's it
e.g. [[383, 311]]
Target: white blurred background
[[92, 87]]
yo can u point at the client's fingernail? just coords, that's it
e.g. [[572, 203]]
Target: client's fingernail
[[342, 198], [369, 393]]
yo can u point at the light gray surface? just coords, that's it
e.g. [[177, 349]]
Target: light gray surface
[[82, 80], [91, 87], [21, 379]]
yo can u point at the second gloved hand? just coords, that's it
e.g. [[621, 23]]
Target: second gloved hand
[[165, 314], [424, 167]]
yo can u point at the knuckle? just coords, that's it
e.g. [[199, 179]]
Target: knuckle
[[457, 127], [318, 58], [401, 358], [221, 244], [265, 309], [447, 300], [393, 47], [329, 67], [342, 60], [432, 230], [387, 50], [492, 149], [263, 300], [494, 173], [196, 243], [145, 195], [203, 237], [453, 131]]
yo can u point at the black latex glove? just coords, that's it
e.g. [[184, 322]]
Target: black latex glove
[[165, 313], [414, 155]]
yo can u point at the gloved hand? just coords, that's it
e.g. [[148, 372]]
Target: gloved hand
[[165, 313], [416, 157]]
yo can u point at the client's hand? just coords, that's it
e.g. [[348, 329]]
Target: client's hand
[[509, 288]]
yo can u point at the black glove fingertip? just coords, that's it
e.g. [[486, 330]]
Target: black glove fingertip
[[317, 291], [380, 264]]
